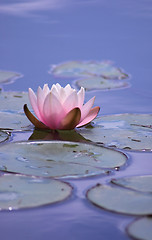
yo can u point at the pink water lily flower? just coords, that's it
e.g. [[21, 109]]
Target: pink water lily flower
[[60, 108]]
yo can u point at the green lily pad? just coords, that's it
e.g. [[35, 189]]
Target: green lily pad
[[141, 229], [58, 159], [8, 77], [13, 121], [138, 183], [124, 131], [88, 69], [18, 191], [100, 83], [13, 101], [120, 200], [4, 136]]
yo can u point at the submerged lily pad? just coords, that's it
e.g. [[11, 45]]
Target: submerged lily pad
[[8, 77], [13, 121], [3, 136], [138, 183], [13, 101], [141, 229], [58, 159], [120, 200], [100, 83], [18, 191], [124, 131], [103, 69]]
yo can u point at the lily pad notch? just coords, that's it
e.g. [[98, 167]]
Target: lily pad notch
[[124, 196]]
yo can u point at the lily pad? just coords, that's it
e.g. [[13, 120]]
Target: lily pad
[[103, 69], [99, 83], [141, 229], [120, 200], [8, 77], [13, 121], [124, 131], [4, 136], [138, 183], [13, 101], [58, 159], [18, 191]]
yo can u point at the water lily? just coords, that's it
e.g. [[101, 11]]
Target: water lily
[[60, 108]]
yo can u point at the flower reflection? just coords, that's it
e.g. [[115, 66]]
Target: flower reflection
[[48, 135], [60, 108]]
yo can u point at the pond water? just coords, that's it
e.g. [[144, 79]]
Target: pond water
[[37, 34]]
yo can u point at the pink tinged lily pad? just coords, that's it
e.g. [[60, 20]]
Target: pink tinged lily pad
[[88, 69], [141, 229], [59, 159], [18, 191], [123, 131], [120, 200], [8, 77]]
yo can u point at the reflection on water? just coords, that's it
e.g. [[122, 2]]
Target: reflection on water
[[26, 8], [136, 8]]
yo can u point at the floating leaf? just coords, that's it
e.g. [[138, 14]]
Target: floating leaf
[[13, 121], [18, 191], [13, 101], [88, 69], [8, 77], [138, 183], [58, 159], [3, 136], [100, 83], [141, 229], [124, 131], [121, 200]]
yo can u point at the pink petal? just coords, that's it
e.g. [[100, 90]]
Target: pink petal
[[71, 102], [92, 114], [40, 102], [68, 90], [55, 91], [41, 95], [81, 95], [62, 95], [53, 111], [86, 108], [33, 101], [46, 90], [58, 86]]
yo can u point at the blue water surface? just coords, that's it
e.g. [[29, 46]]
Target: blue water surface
[[38, 33]]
